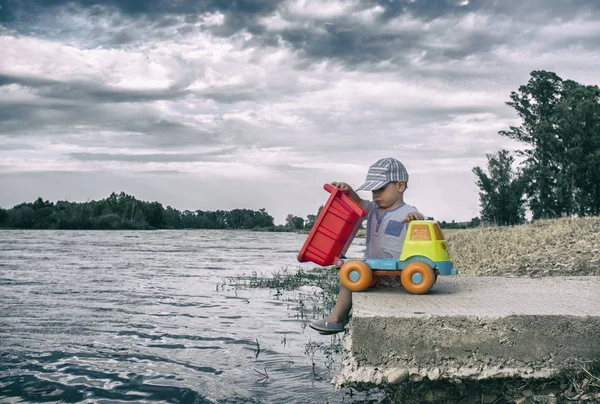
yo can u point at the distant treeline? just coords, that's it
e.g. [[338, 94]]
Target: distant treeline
[[475, 222], [123, 211]]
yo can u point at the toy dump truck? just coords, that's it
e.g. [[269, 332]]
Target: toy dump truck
[[424, 253]]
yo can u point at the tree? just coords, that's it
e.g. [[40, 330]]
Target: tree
[[172, 218], [3, 216], [294, 222], [475, 222], [579, 123], [263, 219], [535, 103], [155, 214], [502, 191], [188, 219], [311, 219], [560, 125]]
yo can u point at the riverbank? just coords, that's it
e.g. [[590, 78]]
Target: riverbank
[[543, 248], [474, 328], [317, 290]]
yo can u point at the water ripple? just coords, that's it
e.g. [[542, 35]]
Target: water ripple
[[139, 317]]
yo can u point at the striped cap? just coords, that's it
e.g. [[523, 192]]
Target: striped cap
[[383, 172]]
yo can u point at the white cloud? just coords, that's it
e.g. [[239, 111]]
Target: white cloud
[[319, 9]]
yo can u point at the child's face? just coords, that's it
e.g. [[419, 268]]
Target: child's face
[[389, 195]]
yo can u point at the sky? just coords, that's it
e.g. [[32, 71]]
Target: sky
[[256, 104]]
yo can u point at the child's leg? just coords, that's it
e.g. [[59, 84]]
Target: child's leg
[[336, 321], [342, 306]]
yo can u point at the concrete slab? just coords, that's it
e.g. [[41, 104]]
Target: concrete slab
[[473, 328]]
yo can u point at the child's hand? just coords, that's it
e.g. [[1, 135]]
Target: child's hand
[[342, 186], [413, 216]]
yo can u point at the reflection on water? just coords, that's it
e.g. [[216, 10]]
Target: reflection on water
[[92, 316]]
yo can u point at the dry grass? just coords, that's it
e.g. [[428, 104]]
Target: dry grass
[[542, 248]]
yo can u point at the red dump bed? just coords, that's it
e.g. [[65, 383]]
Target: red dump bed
[[332, 229]]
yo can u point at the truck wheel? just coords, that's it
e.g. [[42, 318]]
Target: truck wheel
[[417, 278], [374, 281], [355, 275]]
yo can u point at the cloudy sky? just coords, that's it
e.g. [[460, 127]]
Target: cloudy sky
[[249, 103]]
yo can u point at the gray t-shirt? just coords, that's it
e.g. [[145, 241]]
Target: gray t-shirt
[[386, 233]]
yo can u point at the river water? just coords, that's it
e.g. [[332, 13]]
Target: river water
[[142, 316]]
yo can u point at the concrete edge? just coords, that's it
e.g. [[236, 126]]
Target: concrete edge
[[367, 376]]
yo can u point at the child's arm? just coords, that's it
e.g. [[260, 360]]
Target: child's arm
[[347, 188]]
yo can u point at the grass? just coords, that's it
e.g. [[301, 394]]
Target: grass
[[559, 247], [542, 248], [325, 278], [324, 282]]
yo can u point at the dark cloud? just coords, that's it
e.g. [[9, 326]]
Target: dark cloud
[[6, 80], [125, 36], [233, 94], [83, 91], [94, 92], [136, 128], [354, 47], [15, 112], [66, 106], [341, 38], [155, 157], [239, 14], [428, 10], [543, 11], [16, 146], [338, 38], [27, 119], [290, 169]]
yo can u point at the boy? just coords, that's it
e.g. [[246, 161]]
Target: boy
[[387, 216]]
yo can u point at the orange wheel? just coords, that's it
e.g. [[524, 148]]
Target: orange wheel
[[417, 278], [374, 281], [356, 275]]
